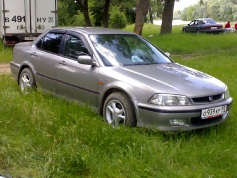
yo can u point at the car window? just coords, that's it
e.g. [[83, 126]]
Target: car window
[[74, 47], [210, 21], [120, 49], [50, 42], [201, 22], [193, 23]]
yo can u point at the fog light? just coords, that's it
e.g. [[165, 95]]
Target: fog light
[[179, 122]]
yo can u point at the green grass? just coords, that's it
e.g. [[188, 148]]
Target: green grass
[[187, 43], [5, 54], [46, 136]]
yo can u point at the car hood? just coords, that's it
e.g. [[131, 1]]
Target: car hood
[[173, 78]]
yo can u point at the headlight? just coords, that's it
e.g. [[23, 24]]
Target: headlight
[[227, 93], [169, 100]]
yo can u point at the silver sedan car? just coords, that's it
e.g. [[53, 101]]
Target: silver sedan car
[[124, 77]]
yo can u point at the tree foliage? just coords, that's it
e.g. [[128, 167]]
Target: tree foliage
[[117, 18], [220, 10], [99, 10], [64, 18]]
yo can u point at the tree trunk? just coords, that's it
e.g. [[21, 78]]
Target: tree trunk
[[167, 17], [83, 7], [141, 12], [106, 14], [150, 15]]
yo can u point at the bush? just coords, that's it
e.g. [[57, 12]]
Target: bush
[[79, 20], [117, 18]]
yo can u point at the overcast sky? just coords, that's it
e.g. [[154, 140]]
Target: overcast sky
[[184, 3]]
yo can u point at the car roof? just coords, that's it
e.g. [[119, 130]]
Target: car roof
[[91, 30], [204, 19]]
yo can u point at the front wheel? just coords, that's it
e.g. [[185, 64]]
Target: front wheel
[[118, 109], [26, 80]]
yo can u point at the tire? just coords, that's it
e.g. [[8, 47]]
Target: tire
[[27, 80], [118, 109]]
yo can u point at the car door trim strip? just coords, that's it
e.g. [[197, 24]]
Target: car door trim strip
[[66, 83]]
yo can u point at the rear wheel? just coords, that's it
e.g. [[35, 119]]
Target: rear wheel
[[118, 109], [27, 80]]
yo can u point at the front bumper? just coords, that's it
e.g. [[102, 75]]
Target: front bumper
[[14, 69], [160, 117]]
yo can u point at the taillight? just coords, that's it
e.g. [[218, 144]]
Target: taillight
[[11, 42]]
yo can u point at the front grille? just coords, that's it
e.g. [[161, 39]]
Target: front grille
[[208, 99], [196, 121]]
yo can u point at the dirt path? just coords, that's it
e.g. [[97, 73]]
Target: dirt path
[[5, 68]]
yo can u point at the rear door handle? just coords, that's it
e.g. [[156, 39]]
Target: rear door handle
[[62, 63]]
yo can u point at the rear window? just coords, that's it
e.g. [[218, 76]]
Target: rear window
[[210, 21], [50, 42]]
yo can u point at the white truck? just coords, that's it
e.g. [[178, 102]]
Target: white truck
[[24, 20]]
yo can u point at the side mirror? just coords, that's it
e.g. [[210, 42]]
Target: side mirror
[[87, 60]]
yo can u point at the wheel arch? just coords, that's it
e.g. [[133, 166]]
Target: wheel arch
[[24, 66], [109, 92]]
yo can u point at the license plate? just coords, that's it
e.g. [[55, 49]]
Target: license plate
[[213, 27], [213, 112], [29, 38]]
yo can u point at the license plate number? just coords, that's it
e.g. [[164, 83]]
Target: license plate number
[[213, 27], [29, 38], [213, 112]]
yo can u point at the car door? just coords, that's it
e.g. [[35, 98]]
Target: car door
[[193, 26], [76, 81], [45, 55]]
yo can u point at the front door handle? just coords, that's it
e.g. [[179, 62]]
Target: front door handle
[[34, 54]]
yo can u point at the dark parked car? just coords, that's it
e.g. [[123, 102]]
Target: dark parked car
[[204, 25], [123, 76]]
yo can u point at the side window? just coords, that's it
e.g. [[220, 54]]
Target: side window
[[39, 43], [192, 23], [74, 47], [50, 42]]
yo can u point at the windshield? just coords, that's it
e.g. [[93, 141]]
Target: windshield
[[120, 49]]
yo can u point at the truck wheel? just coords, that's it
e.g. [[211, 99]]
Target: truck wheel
[[27, 80], [118, 109]]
